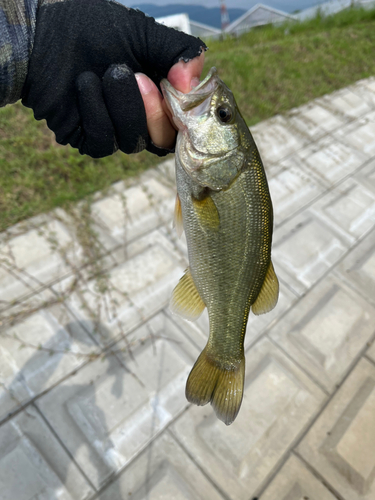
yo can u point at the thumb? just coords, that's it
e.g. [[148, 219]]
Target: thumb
[[183, 76]]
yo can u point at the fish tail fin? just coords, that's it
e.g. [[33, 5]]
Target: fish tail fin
[[222, 386]]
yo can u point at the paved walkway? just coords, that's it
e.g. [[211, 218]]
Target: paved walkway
[[93, 366]]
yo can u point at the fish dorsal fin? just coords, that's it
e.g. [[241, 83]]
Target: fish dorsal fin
[[269, 293], [177, 219], [185, 300], [207, 213]]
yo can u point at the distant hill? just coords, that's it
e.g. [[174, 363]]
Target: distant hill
[[210, 16]]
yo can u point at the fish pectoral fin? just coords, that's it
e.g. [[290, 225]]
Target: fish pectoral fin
[[206, 213], [269, 293], [177, 219], [210, 382], [185, 300]]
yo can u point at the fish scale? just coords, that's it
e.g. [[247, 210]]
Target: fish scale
[[226, 211], [222, 265]]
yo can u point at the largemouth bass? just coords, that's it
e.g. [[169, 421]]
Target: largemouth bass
[[224, 206]]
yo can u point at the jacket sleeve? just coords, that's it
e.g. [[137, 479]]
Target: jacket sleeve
[[17, 29]]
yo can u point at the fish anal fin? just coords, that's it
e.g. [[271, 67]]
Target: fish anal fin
[[177, 219], [207, 213], [222, 386], [185, 300], [269, 293]]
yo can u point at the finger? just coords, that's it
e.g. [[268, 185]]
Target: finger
[[159, 127], [125, 106], [183, 76], [159, 47], [97, 134]]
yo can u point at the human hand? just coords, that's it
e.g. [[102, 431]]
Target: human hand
[[183, 76], [81, 75]]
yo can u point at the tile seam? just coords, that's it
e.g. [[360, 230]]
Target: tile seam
[[61, 443]]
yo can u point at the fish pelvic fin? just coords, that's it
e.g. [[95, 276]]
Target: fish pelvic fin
[[269, 293], [177, 219], [185, 300], [222, 386]]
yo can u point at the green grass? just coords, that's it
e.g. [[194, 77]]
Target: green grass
[[36, 174], [270, 70], [274, 69]]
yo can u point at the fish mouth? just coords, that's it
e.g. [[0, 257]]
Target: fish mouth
[[179, 103]]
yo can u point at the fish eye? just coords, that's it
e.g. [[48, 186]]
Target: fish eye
[[224, 113]]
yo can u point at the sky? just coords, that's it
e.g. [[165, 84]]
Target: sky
[[286, 5]]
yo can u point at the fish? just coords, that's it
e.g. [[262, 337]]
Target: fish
[[224, 206]]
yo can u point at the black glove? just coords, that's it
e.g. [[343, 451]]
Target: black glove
[[81, 73]]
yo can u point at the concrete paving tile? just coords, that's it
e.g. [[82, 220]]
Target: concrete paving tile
[[295, 482], [163, 236], [365, 90], [137, 210], [326, 331], [34, 466], [132, 291], [279, 401], [163, 471], [330, 160], [257, 325], [345, 102], [167, 170], [359, 135], [277, 138], [9, 282], [366, 176], [371, 116], [20, 308], [65, 287], [358, 268], [349, 208], [107, 413], [340, 445], [110, 411], [369, 82], [37, 352], [304, 249], [24, 226], [272, 170], [315, 121], [291, 189], [159, 237], [371, 352], [34, 259], [179, 243], [198, 330]]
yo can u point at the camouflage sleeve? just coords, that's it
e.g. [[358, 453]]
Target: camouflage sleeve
[[17, 28]]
